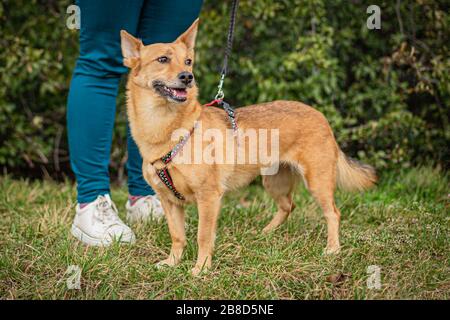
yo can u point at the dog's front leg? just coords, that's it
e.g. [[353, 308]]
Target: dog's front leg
[[176, 222], [208, 213]]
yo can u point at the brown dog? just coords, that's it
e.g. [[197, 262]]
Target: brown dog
[[162, 99]]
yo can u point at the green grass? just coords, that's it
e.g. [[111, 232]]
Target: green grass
[[402, 226]]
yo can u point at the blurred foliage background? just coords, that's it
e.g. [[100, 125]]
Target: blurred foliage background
[[385, 92]]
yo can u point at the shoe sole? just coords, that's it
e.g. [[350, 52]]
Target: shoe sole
[[87, 239]]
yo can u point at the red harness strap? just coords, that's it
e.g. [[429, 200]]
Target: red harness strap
[[215, 101]]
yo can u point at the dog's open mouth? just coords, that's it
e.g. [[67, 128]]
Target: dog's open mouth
[[177, 94]]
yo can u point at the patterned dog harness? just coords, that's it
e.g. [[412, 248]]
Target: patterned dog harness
[[164, 174]]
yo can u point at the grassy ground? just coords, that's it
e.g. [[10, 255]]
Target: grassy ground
[[402, 226]]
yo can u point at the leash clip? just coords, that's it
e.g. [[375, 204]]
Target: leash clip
[[220, 94]]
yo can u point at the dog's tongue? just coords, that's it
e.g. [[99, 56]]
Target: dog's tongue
[[180, 92]]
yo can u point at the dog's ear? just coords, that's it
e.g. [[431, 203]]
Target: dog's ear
[[131, 48], [188, 37]]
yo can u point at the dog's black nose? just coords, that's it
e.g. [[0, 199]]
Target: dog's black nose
[[186, 77]]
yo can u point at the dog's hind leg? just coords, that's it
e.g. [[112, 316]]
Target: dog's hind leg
[[321, 180], [281, 186]]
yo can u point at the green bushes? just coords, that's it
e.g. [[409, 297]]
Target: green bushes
[[385, 92]]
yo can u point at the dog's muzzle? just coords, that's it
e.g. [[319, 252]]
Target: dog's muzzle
[[176, 93]]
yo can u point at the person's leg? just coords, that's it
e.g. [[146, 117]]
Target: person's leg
[[137, 186], [165, 20], [93, 90], [161, 21]]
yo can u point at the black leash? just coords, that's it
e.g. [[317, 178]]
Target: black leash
[[218, 100], [220, 94]]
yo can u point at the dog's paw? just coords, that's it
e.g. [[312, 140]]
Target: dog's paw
[[165, 263], [332, 250], [268, 229], [199, 270]]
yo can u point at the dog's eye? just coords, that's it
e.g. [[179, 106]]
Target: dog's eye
[[188, 62], [163, 59]]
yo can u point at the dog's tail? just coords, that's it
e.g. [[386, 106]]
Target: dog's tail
[[353, 175]]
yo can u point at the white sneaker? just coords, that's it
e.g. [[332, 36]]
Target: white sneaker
[[98, 224], [145, 208]]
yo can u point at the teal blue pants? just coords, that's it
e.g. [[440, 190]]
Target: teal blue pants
[[91, 105]]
